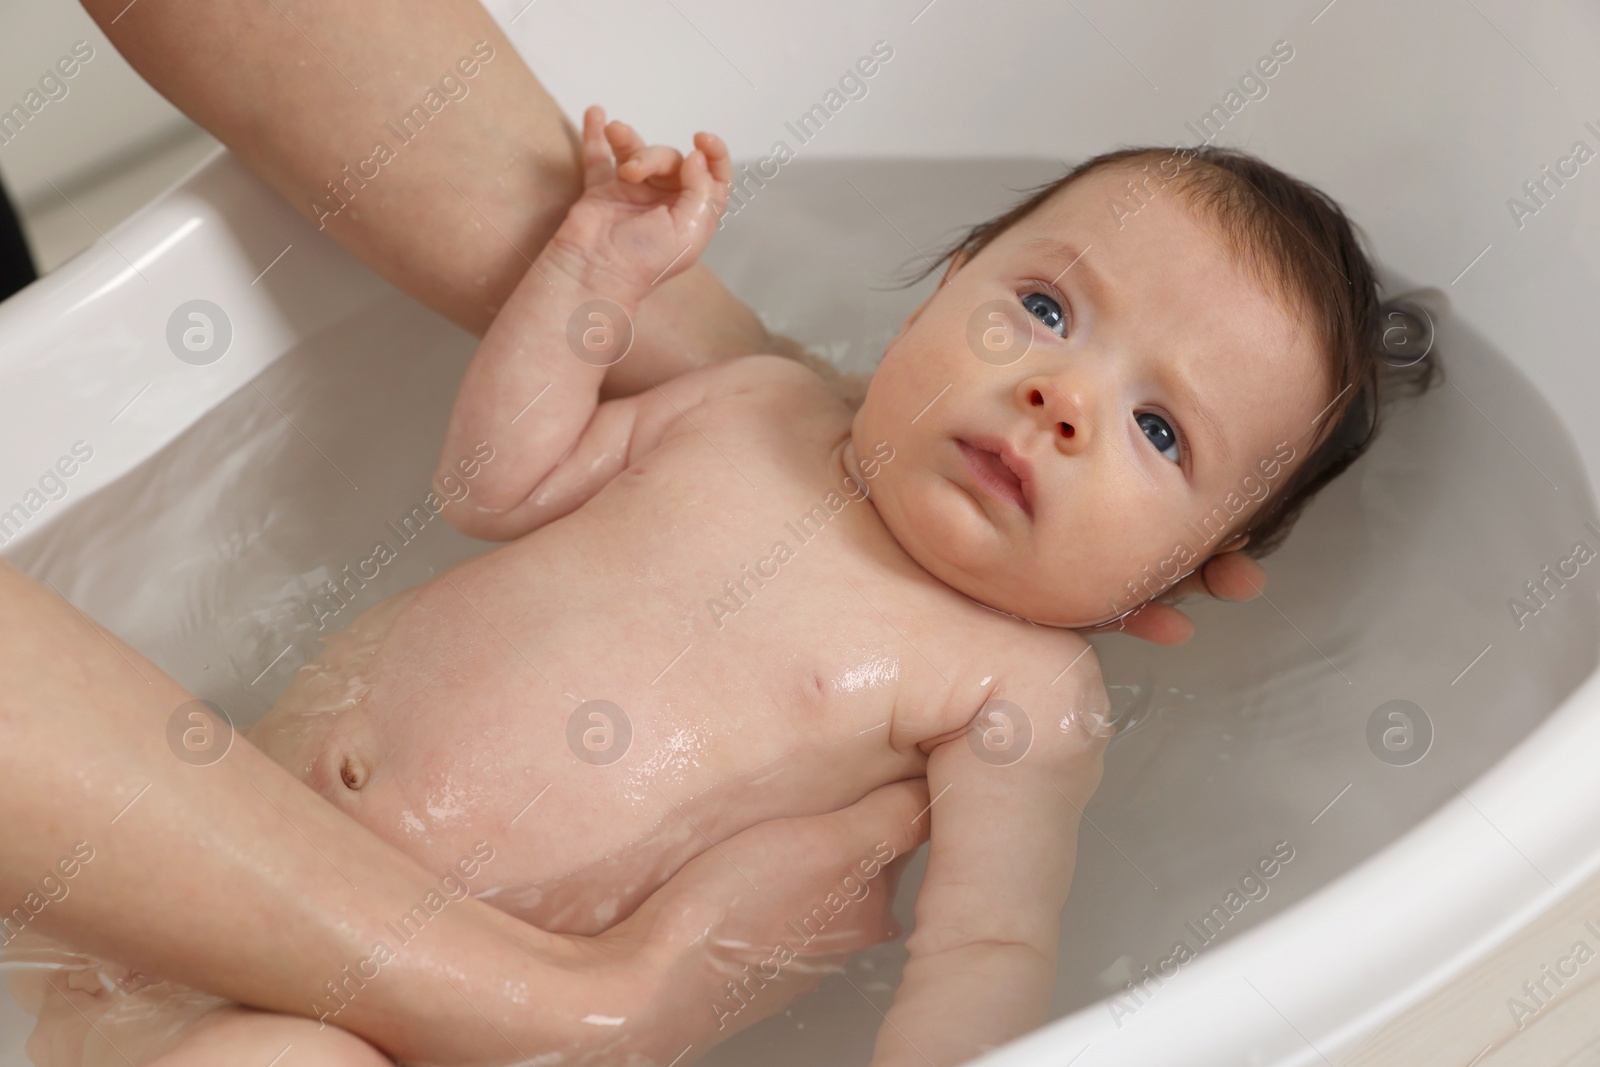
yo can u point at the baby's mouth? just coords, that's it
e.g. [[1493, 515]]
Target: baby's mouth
[[991, 471]]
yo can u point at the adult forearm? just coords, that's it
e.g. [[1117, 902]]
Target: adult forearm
[[232, 876], [304, 93]]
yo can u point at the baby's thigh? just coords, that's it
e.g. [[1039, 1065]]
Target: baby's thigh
[[236, 1035], [92, 1013]]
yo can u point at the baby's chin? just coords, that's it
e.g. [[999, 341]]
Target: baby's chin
[[1019, 596], [959, 548], [1060, 614]]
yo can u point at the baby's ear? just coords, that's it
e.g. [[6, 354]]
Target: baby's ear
[[1238, 542]]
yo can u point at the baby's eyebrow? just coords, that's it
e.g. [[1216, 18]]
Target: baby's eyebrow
[[1069, 256], [1184, 387], [1072, 258]]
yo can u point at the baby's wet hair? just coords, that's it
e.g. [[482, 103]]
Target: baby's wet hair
[[1300, 245]]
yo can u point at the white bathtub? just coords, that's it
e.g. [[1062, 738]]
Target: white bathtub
[[220, 495]]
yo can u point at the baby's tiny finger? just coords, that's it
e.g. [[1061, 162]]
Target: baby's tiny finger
[[715, 190], [693, 179], [709, 186], [624, 138], [654, 161], [596, 157], [716, 153], [625, 142]]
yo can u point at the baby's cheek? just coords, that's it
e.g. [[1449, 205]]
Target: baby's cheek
[[940, 523], [898, 392]]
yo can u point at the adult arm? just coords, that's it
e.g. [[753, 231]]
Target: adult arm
[[300, 91], [235, 878]]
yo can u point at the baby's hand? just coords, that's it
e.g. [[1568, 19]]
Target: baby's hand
[[646, 218]]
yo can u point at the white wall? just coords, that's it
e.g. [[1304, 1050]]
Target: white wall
[[1423, 119]]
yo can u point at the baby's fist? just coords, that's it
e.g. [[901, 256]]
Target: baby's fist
[[647, 212]]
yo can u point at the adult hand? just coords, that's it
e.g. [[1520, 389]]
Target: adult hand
[[457, 222], [733, 937], [748, 926], [303, 893], [1228, 575]]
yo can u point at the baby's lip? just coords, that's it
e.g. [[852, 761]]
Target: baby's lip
[[1012, 470]]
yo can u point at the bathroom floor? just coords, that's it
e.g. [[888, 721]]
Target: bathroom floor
[[1550, 1019]]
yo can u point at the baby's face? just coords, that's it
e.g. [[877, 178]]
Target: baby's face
[[1112, 462]]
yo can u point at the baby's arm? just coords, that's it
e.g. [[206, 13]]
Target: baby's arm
[[983, 954], [532, 387]]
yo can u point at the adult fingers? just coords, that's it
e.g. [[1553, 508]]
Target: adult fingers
[[1232, 576], [1158, 623], [1226, 576]]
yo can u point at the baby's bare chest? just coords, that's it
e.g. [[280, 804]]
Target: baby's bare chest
[[707, 622], [710, 642]]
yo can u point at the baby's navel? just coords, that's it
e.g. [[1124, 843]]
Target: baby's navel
[[353, 772]]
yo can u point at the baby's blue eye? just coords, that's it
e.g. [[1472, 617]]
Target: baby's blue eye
[[1161, 434], [1047, 311]]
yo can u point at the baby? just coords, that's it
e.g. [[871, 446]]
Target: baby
[[736, 596]]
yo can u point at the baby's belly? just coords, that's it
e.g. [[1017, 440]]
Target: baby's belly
[[450, 740]]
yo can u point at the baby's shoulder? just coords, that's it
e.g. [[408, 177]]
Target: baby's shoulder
[[770, 378], [984, 656], [773, 394], [1030, 658]]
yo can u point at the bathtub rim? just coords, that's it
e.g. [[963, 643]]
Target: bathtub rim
[[1324, 934], [1319, 933]]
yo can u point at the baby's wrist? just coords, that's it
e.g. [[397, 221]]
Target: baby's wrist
[[593, 278]]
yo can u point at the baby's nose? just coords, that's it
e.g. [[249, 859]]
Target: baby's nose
[[1054, 405]]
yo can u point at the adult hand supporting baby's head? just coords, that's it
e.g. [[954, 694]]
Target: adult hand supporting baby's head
[[1226, 575]]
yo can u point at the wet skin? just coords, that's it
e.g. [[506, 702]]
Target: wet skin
[[1007, 503], [801, 693]]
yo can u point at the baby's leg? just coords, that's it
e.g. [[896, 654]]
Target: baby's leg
[[163, 1025], [235, 1035], [90, 1013]]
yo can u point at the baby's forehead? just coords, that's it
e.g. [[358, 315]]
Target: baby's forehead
[[1107, 208], [1169, 266]]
